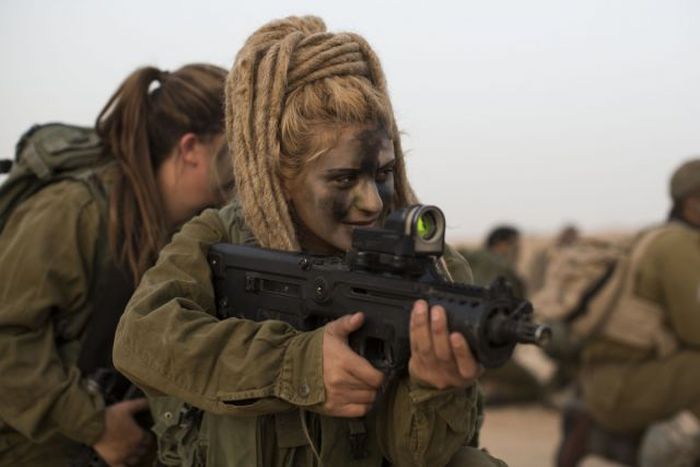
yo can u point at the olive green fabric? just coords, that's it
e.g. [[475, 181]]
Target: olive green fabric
[[45, 154], [487, 266], [256, 381], [47, 251], [626, 388]]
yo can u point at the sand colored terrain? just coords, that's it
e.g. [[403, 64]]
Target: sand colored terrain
[[527, 436]]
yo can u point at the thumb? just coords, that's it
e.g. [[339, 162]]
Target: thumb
[[346, 325], [135, 405]]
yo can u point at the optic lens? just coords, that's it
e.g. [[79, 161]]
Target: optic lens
[[426, 225]]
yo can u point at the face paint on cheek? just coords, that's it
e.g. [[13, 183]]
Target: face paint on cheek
[[386, 192], [341, 204], [334, 206], [372, 144]]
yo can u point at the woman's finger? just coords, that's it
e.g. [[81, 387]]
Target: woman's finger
[[440, 336], [467, 365], [420, 335]]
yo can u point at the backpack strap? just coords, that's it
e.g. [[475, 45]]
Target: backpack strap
[[631, 319], [112, 286], [35, 163]]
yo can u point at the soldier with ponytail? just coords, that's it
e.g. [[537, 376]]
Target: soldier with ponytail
[[72, 252], [317, 153], [143, 126]]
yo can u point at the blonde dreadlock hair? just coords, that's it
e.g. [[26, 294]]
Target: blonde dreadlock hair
[[292, 80]]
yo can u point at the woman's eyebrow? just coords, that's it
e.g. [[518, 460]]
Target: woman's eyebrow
[[342, 171], [354, 170], [391, 163]]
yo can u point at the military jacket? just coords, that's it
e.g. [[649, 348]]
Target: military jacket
[[255, 381], [48, 252], [668, 274]]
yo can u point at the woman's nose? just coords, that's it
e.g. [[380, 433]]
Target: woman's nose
[[368, 199]]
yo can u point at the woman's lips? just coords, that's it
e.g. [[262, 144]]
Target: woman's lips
[[371, 223]]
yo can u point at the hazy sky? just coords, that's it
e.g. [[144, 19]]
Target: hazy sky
[[531, 112]]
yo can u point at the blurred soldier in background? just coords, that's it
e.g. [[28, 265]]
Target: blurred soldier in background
[[640, 371], [498, 257]]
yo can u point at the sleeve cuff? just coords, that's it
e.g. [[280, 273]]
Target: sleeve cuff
[[301, 380], [458, 407], [420, 393], [80, 414]]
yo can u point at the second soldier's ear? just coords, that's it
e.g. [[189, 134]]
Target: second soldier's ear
[[190, 150]]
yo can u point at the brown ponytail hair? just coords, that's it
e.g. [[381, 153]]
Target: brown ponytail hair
[[140, 125]]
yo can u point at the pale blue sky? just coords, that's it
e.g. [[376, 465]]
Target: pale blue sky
[[534, 112]]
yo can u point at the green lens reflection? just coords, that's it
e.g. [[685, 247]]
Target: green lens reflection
[[425, 226]]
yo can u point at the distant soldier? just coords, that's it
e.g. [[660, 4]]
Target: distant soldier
[[656, 382], [498, 258]]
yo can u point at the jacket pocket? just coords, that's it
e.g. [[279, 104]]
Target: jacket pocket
[[177, 426]]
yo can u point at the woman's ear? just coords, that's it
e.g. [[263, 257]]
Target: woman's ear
[[190, 150]]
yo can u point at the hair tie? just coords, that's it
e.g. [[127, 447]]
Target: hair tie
[[157, 81]]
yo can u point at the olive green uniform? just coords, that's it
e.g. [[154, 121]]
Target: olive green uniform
[[627, 388], [256, 380], [48, 251]]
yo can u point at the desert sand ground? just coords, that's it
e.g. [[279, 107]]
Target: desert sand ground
[[527, 436]]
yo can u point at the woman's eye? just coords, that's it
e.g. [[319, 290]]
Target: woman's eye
[[384, 174], [346, 180]]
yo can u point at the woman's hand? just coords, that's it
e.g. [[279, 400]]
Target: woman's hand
[[351, 382], [438, 358], [123, 442]]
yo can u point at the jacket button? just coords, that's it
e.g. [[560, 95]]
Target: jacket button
[[167, 416], [304, 390]]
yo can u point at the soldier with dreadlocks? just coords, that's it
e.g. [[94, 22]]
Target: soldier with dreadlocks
[[317, 153]]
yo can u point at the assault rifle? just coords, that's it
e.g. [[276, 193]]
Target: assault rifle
[[385, 272]]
